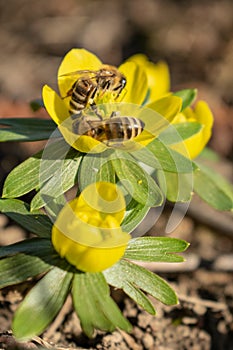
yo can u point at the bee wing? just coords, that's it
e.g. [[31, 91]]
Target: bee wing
[[75, 76], [96, 123], [79, 73]]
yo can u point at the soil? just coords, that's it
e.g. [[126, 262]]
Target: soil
[[195, 38]]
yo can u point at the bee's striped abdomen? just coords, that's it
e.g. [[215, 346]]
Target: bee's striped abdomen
[[83, 91], [124, 128]]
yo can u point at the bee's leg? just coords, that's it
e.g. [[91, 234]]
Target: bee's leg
[[76, 116], [81, 125], [95, 110], [114, 114], [92, 94], [77, 119], [75, 126], [69, 92], [104, 87]]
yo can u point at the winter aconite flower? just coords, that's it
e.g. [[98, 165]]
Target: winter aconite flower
[[87, 231], [202, 114], [158, 78], [133, 93]]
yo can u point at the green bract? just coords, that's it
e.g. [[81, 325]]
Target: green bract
[[86, 243]]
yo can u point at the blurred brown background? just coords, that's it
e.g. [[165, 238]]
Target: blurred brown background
[[195, 37]]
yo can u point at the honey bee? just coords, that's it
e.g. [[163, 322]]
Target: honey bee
[[113, 130], [90, 84]]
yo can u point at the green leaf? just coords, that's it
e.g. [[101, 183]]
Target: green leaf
[[32, 173], [213, 188], [53, 205], [106, 173], [145, 156], [94, 306], [187, 95], [37, 247], [176, 133], [170, 160], [135, 213], [18, 268], [63, 176], [19, 211], [160, 249], [176, 187], [26, 259], [26, 129], [124, 273], [41, 304], [24, 178], [98, 167], [136, 181], [139, 297]]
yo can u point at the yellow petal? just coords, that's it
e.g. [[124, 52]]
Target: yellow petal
[[90, 233], [139, 58], [86, 258], [168, 106], [102, 202], [159, 79], [82, 143], [103, 197], [87, 231], [136, 86], [144, 139], [179, 118], [75, 60], [195, 144], [157, 116], [204, 114], [157, 74], [54, 105]]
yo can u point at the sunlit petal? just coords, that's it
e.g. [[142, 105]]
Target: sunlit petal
[[157, 74], [87, 231], [159, 79], [101, 197], [86, 258], [157, 116], [136, 87], [168, 106], [54, 105]]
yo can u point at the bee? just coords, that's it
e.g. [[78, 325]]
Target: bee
[[90, 84], [113, 130]]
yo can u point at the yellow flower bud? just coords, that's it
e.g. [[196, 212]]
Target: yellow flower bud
[[87, 232]]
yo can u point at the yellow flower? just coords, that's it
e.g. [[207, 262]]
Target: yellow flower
[[159, 85], [158, 76], [127, 103], [195, 144], [87, 231]]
